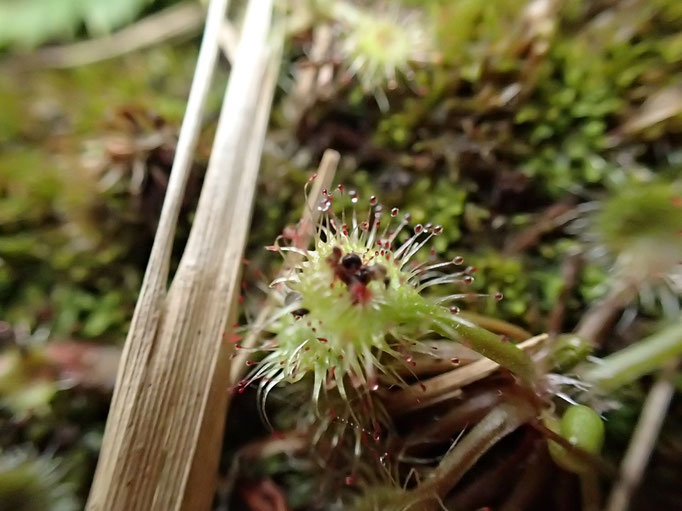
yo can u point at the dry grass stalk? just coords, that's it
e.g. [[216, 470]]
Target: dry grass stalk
[[167, 396], [433, 390]]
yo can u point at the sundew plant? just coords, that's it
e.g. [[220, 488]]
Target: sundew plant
[[358, 301]]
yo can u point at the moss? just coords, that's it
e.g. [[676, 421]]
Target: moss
[[31, 483], [74, 235]]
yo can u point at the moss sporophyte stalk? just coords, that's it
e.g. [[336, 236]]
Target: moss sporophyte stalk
[[356, 303]]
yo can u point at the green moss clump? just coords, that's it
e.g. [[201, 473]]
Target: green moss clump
[[31, 483]]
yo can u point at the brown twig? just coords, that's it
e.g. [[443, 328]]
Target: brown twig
[[548, 220], [471, 409], [486, 487], [538, 469], [595, 323], [590, 491], [570, 272]]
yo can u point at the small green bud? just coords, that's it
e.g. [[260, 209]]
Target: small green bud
[[568, 350], [582, 427]]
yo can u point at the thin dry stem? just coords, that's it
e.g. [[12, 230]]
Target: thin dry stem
[[425, 393], [470, 410], [597, 320], [537, 470], [590, 491], [643, 439], [498, 423], [182, 20], [325, 178], [311, 78]]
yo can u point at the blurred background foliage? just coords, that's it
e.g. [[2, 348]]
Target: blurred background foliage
[[515, 122]]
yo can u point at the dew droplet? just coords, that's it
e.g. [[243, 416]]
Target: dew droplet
[[353, 196], [394, 212], [372, 200], [454, 309]]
